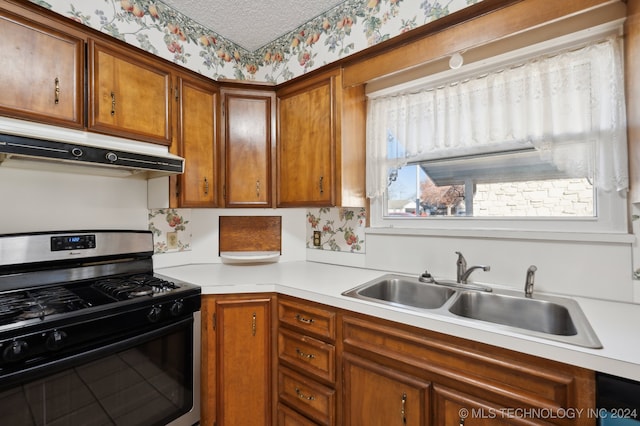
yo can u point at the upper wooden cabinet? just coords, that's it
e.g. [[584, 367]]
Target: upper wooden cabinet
[[128, 94], [321, 143], [196, 141], [248, 133], [42, 74]]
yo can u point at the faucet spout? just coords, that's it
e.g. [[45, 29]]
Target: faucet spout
[[462, 273], [465, 275]]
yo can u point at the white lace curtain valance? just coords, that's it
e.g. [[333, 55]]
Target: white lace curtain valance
[[569, 106]]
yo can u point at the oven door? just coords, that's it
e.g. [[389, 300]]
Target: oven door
[[151, 379]]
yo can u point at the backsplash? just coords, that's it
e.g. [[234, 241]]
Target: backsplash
[[341, 229], [348, 28], [171, 230]]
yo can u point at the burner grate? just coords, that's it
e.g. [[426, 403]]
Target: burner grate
[[38, 303], [134, 286]]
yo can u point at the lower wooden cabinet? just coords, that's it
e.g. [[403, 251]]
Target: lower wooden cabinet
[[313, 364], [378, 395], [236, 353]]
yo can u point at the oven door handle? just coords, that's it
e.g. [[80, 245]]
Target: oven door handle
[[30, 373]]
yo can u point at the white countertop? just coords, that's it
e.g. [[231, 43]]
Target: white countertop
[[615, 324]]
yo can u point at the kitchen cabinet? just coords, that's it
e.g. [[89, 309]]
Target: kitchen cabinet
[[306, 360], [399, 398], [128, 93], [236, 354], [196, 141], [470, 383], [320, 147], [43, 72], [249, 147]]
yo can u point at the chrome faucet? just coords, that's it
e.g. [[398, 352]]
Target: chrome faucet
[[528, 283], [462, 273]]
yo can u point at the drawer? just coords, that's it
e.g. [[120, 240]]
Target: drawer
[[310, 355], [288, 417], [307, 396], [308, 318]]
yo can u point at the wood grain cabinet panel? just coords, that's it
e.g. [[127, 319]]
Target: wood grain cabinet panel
[[196, 141], [236, 385], [378, 395], [42, 76], [315, 400], [128, 94], [249, 139], [321, 150]]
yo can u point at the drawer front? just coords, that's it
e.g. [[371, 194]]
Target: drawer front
[[288, 417], [307, 396], [307, 318], [310, 355]]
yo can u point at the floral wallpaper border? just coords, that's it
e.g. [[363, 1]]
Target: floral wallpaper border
[[348, 28], [341, 229]]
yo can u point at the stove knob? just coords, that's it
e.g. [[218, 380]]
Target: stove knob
[[177, 308], [112, 157], [55, 340], [15, 351], [154, 314]]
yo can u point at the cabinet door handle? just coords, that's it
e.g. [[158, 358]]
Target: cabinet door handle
[[303, 319], [321, 184], [303, 396], [304, 355], [113, 103], [56, 97], [403, 409], [461, 421], [258, 188], [206, 186], [253, 324]]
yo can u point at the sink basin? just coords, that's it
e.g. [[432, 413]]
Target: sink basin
[[543, 316], [531, 314], [402, 291], [549, 317]]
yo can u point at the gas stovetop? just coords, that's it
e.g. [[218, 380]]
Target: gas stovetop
[[18, 306]]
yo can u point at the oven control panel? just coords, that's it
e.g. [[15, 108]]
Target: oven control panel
[[73, 242]]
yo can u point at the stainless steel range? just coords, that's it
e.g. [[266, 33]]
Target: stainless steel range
[[89, 335]]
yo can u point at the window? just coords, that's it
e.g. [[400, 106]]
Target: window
[[538, 138]]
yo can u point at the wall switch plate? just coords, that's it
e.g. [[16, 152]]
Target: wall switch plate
[[316, 239]]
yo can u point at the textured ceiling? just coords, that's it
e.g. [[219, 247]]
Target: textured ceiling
[[249, 23]]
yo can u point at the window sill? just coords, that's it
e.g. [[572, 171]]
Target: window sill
[[593, 237]]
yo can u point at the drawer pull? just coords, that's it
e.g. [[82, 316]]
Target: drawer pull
[[403, 411], [304, 355], [303, 396], [304, 320]]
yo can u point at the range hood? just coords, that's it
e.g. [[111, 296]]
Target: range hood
[[42, 147]]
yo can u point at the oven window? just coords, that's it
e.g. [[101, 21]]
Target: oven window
[[149, 384]]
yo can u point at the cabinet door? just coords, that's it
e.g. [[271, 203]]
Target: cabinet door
[[456, 408], [196, 142], [128, 94], [43, 73], [248, 130], [243, 329], [378, 395], [306, 146]]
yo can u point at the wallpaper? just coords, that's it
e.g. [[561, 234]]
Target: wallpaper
[[348, 28], [339, 229]]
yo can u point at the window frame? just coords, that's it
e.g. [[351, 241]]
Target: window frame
[[610, 220]]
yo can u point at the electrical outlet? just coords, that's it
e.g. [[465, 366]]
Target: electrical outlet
[[316, 239]]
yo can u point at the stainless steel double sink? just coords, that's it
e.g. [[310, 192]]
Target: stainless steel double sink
[[555, 318]]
